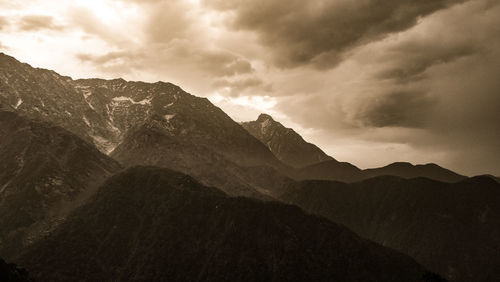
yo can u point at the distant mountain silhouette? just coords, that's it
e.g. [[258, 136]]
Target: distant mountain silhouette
[[288, 146], [331, 170], [10, 273], [150, 224], [497, 179], [312, 163], [407, 170], [452, 229], [44, 171]]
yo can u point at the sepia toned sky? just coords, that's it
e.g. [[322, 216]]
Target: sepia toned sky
[[371, 82]]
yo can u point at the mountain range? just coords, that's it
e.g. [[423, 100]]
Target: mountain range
[[122, 180], [151, 224], [310, 162], [451, 228]]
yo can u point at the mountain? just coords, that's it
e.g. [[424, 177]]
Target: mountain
[[10, 273], [288, 146], [346, 172], [451, 228], [407, 170], [497, 179], [151, 144], [330, 170], [103, 111], [45, 171], [150, 224], [143, 124], [310, 162]]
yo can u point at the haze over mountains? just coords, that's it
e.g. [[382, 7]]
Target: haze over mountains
[[61, 138]]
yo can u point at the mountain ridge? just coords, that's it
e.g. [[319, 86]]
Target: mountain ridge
[[285, 143], [451, 228], [147, 224], [45, 171]]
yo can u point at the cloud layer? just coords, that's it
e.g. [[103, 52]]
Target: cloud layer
[[370, 81]]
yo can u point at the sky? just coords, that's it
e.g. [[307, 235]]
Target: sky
[[370, 82]]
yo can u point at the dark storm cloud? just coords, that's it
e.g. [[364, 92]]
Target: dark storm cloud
[[38, 22], [433, 89], [410, 59], [402, 109], [320, 32]]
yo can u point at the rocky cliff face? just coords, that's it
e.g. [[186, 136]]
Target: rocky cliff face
[[288, 146], [142, 124], [102, 111]]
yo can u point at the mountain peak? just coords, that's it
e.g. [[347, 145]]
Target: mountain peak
[[285, 143], [265, 117]]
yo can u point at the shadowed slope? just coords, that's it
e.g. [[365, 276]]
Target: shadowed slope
[[45, 171], [453, 229], [150, 224]]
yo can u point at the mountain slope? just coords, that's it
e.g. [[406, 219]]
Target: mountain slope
[[151, 144], [312, 163], [407, 170], [44, 171], [452, 229], [114, 114], [150, 224], [10, 273], [102, 111], [330, 170], [288, 146]]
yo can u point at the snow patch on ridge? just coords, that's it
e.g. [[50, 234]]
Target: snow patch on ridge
[[103, 144], [264, 125], [169, 117], [19, 102], [86, 121], [146, 101]]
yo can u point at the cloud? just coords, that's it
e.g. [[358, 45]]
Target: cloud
[[85, 19], [431, 90], [3, 22], [372, 81], [401, 109], [320, 32], [168, 20], [241, 86], [412, 59], [38, 22]]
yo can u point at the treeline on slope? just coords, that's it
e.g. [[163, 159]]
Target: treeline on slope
[[453, 229], [151, 224], [45, 171], [9, 272]]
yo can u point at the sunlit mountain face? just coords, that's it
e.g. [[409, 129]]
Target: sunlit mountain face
[[252, 140]]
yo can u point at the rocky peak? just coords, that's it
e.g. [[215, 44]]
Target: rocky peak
[[285, 143], [265, 117]]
